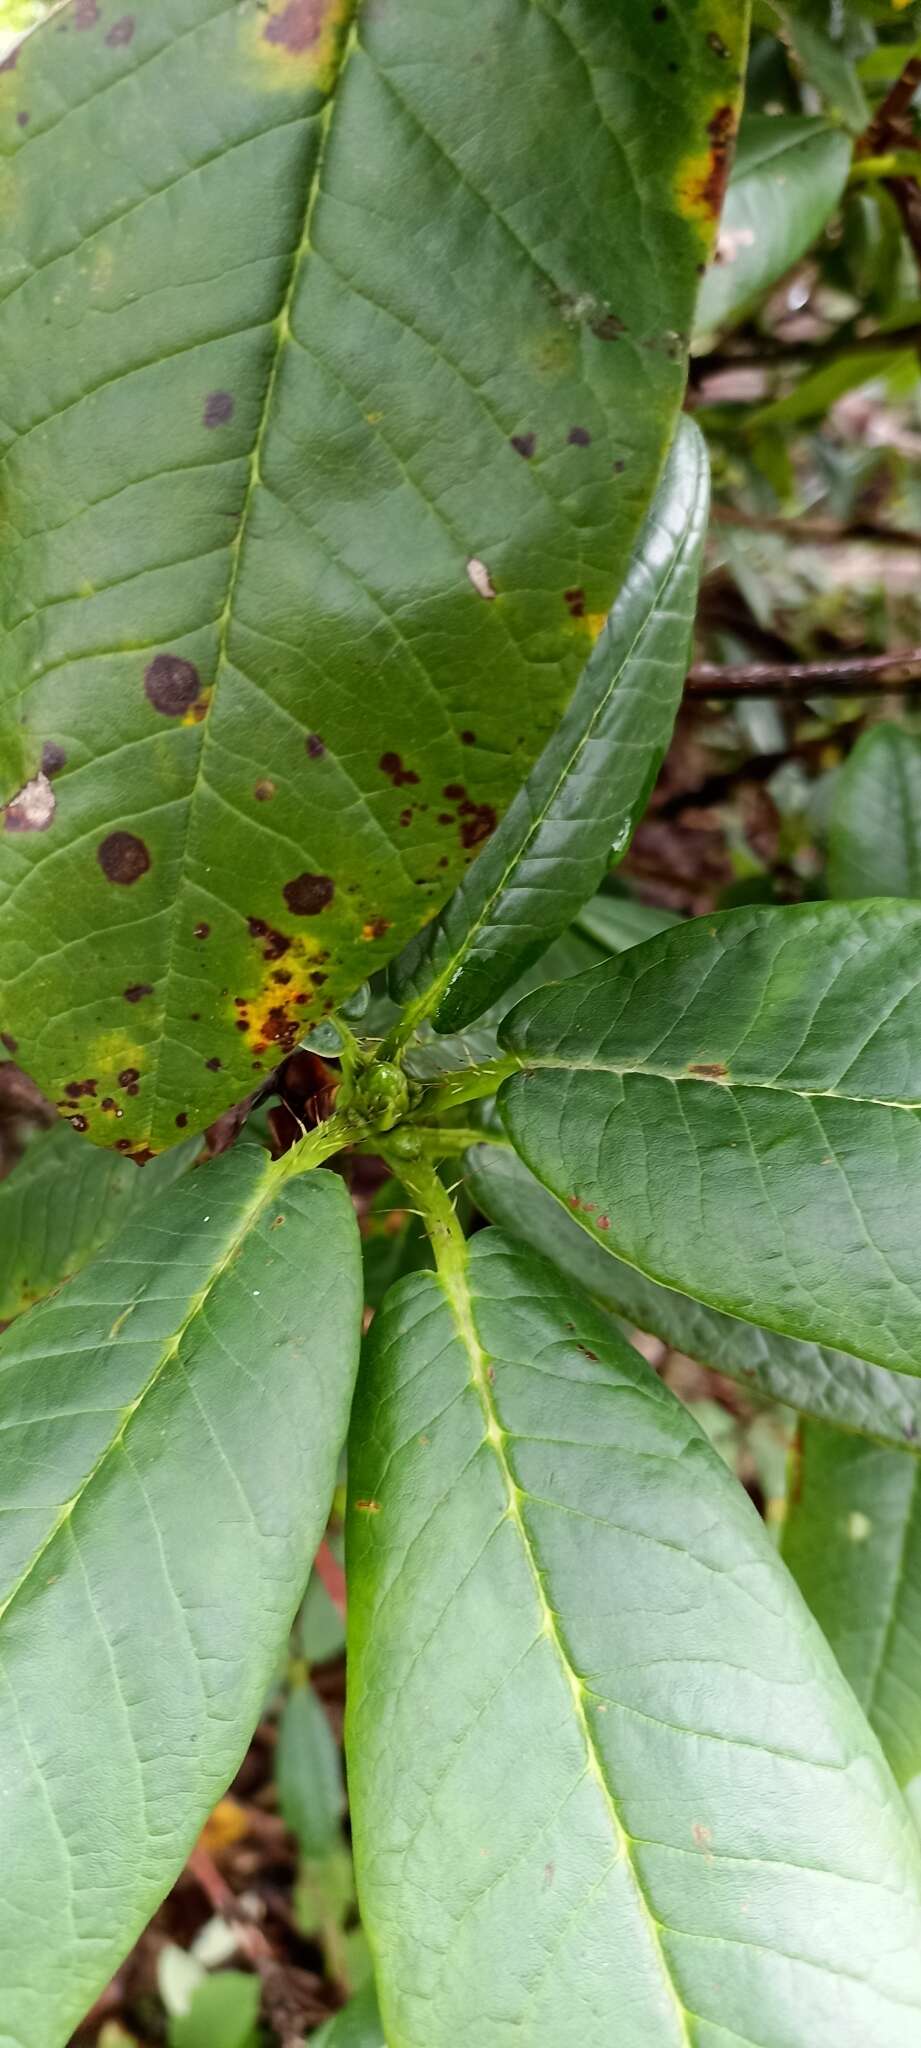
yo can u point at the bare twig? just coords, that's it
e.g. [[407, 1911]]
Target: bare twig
[[893, 109], [851, 676], [827, 532]]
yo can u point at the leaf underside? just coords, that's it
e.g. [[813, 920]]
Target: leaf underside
[[319, 485], [607, 1781], [735, 1108], [172, 1423]]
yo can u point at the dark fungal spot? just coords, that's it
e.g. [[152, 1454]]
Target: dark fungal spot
[[53, 758], [281, 978], [318, 978], [478, 821], [619, 466], [376, 928], [218, 409], [200, 931], [77, 1088], [123, 858], [721, 130], [524, 444], [109, 1104], [308, 894], [79, 1123], [264, 791], [123, 1144], [128, 1077], [315, 746], [593, 1355], [299, 25], [23, 118], [137, 991], [171, 684], [275, 943], [86, 13], [717, 44], [608, 327], [213, 1065], [405, 818], [392, 765], [454, 791], [181, 1120], [579, 437], [575, 602], [11, 1043], [468, 739], [445, 818], [715, 1071], [142, 1157], [121, 32]]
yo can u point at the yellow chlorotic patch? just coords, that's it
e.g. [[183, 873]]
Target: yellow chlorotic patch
[[701, 179], [299, 42], [276, 1016], [199, 710]]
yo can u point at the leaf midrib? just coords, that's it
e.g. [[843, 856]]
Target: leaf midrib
[[548, 1062], [267, 1187], [283, 332], [454, 1278]]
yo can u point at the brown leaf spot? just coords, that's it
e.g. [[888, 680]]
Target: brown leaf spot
[[181, 1120], [315, 746], [308, 894], [171, 684], [299, 26], [603, 1223], [137, 991], [593, 1355], [80, 1123], [218, 409], [375, 928], [468, 739], [200, 931], [123, 858], [392, 765], [608, 327], [716, 1071], [33, 808], [213, 1065], [575, 602], [121, 32], [23, 117], [53, 758], [86, 13], [478, 821], [524, 445], [721, 130], [579, 437], [141, 1158], [128, 1077], [367, 1507], [275, 944], [264, 790]]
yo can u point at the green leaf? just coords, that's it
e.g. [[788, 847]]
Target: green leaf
[[223, 2014], [345, 418], [788, 177], [61, 1203], [428, 1056], [608, 1783], [829, 1384], [819, 390], [874, 841], [831, 68], [853, 1541], [357, 2026], [616, 922], [733, 1107], [173, 1420], [308, 1772], [587, 791]]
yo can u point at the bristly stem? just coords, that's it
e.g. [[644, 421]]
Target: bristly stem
[[437, 1210]]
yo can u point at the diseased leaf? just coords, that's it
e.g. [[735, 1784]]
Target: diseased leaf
[[852, 1539], [335, 448], [735, 1108], [787, 179], [874, 841], [587, 791], [61, 1203], [173, 1421], [811, 1377], [608, 1783]]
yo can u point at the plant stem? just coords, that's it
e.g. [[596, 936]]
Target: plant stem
[[852, 676], [437, 1210], [438, 1141], [469, 1084], [338, 1131]]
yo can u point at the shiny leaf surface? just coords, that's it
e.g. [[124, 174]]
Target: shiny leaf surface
[[173, 1421], [819, 1381], [608, 1782], [329, 464], [582, 800], [735, 1108], [874, 841]]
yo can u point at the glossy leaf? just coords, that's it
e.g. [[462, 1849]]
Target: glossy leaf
[[430, 1055], [853, 1541], [61, 1203], [734, 1107], [811, 1377], [173, 1421], [788, 177], [357, 2026], [589, 788], [874, 841], [338, 439], [608, 1783]]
